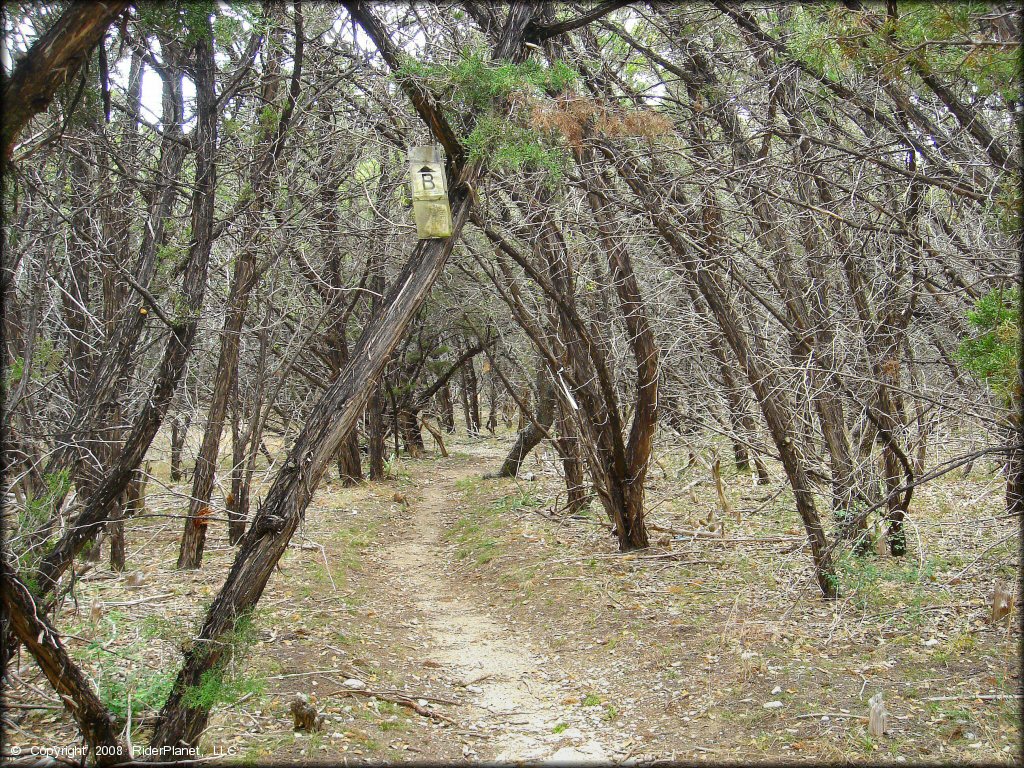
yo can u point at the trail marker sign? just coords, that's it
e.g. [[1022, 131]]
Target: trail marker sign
[[430, 206]]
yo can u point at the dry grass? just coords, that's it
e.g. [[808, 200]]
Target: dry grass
[[677, 648]]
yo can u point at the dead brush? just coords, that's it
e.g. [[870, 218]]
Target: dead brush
[[574, 117]]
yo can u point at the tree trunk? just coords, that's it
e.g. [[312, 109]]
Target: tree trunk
[[53, 59], [567, 445], [436, 434], [118, 359], [375, 429], [115, 529], [179, 347], [75, 690], [271, 143], [328, 424], [193, 539], [767, 386], [492, 406], [350, 469], [335, 414], [375, 434], [1015, 467], [740, 420], [444, 400], [534, 432], [179, 432], [236, 517], [133, 504], [412, 435], [472, 399], [246, 445], [644, 350]]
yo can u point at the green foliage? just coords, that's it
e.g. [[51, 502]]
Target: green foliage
[[216, 687], [1007, 205], [509, 147], [475, 85], [228, 23], [836, 41], [183, 309], [144, 693], [243, 634], [367, 170], [226, 682], [231, 127], [868, 581], [14, 372], [191, 17], [479, 84], [514, 502], [810, 41], [269, 119], [163, 628], [167, 256], [47, 360], [992, 354], [36, 512], [991, 70]]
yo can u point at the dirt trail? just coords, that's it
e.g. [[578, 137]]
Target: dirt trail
[[511, 687]]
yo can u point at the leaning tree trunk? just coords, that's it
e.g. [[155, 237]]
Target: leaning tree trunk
[[889, 407], [577, 360], [330, 422], [190, 554], [179, 347], [181, 721], [114, 365], [644, 349], [529, 437], [767, 385], [53, 59], [734, 400], [75, 690]]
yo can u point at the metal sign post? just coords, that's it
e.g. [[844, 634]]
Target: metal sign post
[[430, 206]]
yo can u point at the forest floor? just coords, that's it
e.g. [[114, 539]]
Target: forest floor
[[441, 616]]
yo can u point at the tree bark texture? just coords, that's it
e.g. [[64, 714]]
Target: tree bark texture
[[193, 538], [52, 60], [179, 347], [29, 624], [767, 386], [535, 431], [336, 413]]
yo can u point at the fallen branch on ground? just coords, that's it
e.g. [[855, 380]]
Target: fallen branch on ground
[[401, 699]]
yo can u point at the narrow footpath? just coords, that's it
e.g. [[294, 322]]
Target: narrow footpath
[[512, 693]]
